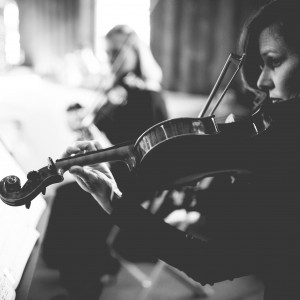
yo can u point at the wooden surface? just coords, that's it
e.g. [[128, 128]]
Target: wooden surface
[[26, 281]]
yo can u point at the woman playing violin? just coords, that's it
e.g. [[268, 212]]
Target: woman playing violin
[[256, 229]]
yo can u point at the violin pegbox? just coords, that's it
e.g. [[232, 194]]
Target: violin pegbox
[[13, 194]]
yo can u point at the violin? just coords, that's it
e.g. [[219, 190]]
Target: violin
[[170, 153]]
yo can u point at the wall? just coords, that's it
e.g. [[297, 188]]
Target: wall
[[51, 28], [192, 39]]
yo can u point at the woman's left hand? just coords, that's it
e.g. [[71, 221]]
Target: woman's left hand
[[95, 179]]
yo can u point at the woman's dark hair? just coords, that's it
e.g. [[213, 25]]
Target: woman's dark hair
[[285, 15]]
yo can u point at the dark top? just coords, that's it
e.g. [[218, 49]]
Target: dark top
[[253, 223], [142, 109]]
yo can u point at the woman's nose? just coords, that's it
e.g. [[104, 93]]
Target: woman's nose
[[265, 81]]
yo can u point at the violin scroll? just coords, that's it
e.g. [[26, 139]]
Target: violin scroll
[[12, 183], [13, 194]]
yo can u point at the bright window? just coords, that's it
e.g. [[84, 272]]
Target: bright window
[[12, 36], [135, 13]]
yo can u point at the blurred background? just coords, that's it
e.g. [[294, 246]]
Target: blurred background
[[52, 55]]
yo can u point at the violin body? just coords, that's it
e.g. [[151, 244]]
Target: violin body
[[177, 152], [170, 153]]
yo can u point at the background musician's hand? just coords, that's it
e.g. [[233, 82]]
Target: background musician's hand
[[117, 95], [96, 179]]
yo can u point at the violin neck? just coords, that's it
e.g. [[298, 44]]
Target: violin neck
[[123, 152]]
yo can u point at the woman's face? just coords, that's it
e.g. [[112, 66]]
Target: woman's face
[[121, 53], [280, 67]]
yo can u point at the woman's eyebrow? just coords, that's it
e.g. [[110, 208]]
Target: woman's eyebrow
[[268, 50]]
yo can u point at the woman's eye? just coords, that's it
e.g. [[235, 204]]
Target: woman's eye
[[274, 62]]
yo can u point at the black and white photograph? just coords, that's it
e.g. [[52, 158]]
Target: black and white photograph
[[149, 150]]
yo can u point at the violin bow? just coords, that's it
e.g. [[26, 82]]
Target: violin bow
[[240, 59]]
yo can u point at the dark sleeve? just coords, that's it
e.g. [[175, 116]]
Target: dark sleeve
[[205, 261]]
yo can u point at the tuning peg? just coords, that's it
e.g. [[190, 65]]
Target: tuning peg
[[51, 165], [33, 175]]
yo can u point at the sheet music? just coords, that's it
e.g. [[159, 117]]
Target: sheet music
[[18, 233], [16, 245], [7, 292]]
